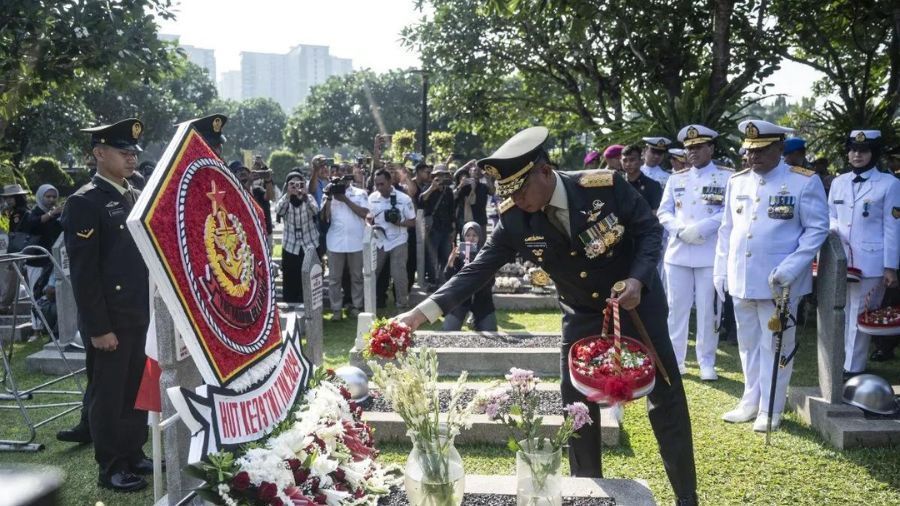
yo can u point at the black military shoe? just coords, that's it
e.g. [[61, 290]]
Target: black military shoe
[[145, 466], [77, 434], [881, 356], [122, 481], [690, 500]]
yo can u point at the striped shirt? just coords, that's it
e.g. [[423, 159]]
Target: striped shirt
[[300, 230]]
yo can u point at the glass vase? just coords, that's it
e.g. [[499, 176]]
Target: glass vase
[[434, 474], [538, 482]]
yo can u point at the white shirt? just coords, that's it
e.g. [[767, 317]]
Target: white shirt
[[345, 233], [866, 217], [693, 197], [657, 174], [392, 235], [774, 223]]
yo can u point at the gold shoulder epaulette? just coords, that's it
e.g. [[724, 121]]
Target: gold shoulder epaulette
[[682, 171], [506, 205], [803, 172], [726, 169], [596, 179], [740, 173]]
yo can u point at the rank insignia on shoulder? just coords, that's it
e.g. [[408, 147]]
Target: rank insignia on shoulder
[[506, 205], [85, 234], [596, 179], [745, 171], [682, 171], [800, 170]]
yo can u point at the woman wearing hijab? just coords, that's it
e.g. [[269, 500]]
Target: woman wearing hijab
[[42, 222], [482, 303]]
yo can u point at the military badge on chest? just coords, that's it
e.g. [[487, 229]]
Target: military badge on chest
[[601, 237], [594, 214], [536, 245], [781, 206], [713, 195]]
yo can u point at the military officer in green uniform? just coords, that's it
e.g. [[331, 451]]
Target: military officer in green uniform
[[588, 230], [110, 282]]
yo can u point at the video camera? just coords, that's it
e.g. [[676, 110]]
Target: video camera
[[392, 215], [338, 185]]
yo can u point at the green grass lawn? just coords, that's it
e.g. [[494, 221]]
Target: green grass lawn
[[733, 464]]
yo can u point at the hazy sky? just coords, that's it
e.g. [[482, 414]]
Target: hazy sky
[[368, 31]]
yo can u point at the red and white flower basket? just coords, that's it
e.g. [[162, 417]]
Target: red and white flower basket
[[880, 322], [611, 369]]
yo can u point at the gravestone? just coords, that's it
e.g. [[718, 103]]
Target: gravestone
[[831, 294], [370, 269], [311, 274], [67, 312], [176, 370]]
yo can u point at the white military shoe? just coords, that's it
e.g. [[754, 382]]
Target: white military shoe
[[708, 374], [741, 414], [762, 420]]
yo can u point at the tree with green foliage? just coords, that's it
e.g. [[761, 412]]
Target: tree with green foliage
[[441, 145], [43, 170], [257, 124], [353, 108], [281, 162], [47, 47]]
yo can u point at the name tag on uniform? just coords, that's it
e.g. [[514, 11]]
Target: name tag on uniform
[[838, 201], [781, 207], [742, 197], [679, 190], [116, 211]]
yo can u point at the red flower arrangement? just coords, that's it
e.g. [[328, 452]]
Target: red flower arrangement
[[386, 339], [880, 322], [611, 369]]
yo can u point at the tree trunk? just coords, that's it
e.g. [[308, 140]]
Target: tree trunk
[[721, 45]]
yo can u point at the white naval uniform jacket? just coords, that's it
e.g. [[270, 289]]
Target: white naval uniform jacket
[[694, 197], [776, 221], [866, 216], [657, 174]]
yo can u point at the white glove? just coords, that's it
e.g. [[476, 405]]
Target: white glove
[[721, 286], [777, 282], [691, 235]]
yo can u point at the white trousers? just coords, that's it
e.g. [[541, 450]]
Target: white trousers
[[756, 344], [856, 343], [686, 286]]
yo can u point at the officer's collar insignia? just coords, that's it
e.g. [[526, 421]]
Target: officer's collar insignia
[[692, 133], [506, 205], [85, 234], [861, 137], [492, 171], [217, 125], [136, 130], [534, 238], [112, 203], [751, 131], [596, 179]]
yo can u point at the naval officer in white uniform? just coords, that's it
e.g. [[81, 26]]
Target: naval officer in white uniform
[[691, 212], [864, 211], [655, 149], [775, 220]]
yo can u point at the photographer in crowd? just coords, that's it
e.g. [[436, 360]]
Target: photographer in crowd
[[471, 196], [344, 209], [262, 195], [391, 213], [301, 236], [437, 202], [319, 174], [482, 303]]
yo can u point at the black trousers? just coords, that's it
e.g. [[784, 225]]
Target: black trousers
[[118, 429], [666, 405], [292, 277]]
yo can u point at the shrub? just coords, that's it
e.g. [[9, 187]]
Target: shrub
[[281, 163], [43, 170]]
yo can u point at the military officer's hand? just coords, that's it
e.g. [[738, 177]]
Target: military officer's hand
[[630, 298], [414, 318], [777, 282], [890, 278], [691, 235], [106, 342], [720, 285]]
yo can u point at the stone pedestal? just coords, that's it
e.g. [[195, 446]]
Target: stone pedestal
[[370, 270]]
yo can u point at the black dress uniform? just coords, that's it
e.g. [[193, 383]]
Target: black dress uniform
[[110, 283], [584, 276]]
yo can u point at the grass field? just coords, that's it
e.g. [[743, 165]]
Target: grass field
[[733, 464]]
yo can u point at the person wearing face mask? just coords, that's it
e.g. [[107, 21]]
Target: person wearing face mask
[[42, 222], [864, 211], [481, 304]]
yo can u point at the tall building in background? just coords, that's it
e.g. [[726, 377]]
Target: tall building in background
[[230, 85], [287, 78], [202, 57]]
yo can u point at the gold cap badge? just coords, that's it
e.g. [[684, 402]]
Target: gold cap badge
[[860, 137], [136, 130], [217, 125], [692, 133], [751, 132]]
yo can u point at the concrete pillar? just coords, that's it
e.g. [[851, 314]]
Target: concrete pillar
[[177, 369], [370, 269], [67, 312], [313, 291], [831, 297]]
